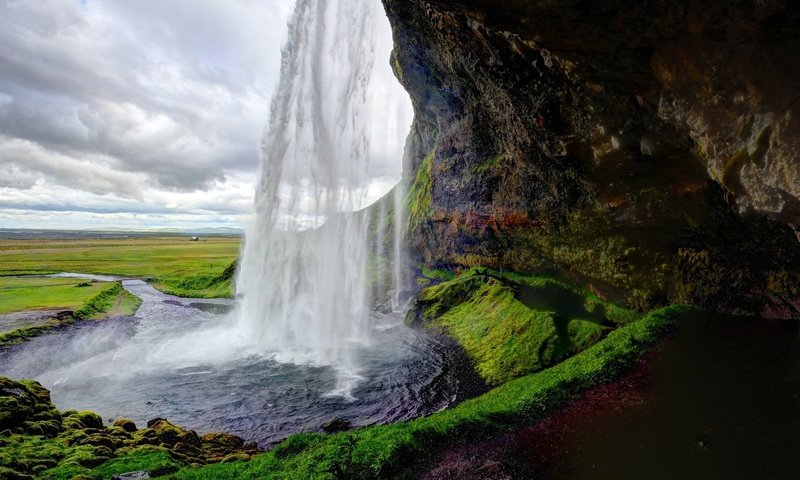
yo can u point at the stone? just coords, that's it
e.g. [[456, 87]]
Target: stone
[[140, 475], [337, 425], [125, 424]]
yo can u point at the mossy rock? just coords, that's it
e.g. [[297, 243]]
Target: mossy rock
[[125, 424], [84, 420], [168, 433], [221, 440], [236, 457], [9, 474], [25, 407]]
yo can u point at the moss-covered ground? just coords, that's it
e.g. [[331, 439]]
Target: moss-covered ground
[[175, 265], [37, 440], [513, 325]]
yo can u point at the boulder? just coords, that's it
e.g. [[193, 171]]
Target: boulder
[[125, 424]]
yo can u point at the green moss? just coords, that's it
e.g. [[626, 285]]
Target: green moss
[[634, 260], [84, 419], [489, 165], [420, 205], [512, 325], [396, 67], [731, 173], [387, 451], [436, 274], [154, 461]]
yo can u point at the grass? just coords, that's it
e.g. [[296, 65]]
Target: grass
[[175, 265], [512, 325], [17, 294], [85, 300], [390, 451], [151, 461]]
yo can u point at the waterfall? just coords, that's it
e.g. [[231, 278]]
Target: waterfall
[[303, 275]]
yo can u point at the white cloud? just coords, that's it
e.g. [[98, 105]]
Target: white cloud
[[121, 112], [127, 107]]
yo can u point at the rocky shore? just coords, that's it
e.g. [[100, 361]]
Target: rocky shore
[[38, 440]]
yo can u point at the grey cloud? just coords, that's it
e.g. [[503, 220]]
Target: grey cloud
[[119, 106], [174, 90], [12, 176]]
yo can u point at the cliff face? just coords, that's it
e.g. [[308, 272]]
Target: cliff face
[[648, 150]]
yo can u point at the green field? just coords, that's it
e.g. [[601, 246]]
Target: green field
[[17, 294], [76, 299], [175, 265]]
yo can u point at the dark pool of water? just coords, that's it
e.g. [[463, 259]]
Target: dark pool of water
[[176, 361], [719, 400]]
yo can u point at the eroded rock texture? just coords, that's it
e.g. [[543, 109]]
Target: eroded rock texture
[[648, 150]]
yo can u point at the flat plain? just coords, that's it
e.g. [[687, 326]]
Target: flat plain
[[174, 264]]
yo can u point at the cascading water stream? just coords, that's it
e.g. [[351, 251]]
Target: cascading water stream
[[293, 354], [303, 275]]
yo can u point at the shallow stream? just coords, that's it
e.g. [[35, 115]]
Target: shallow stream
[[178, 359]]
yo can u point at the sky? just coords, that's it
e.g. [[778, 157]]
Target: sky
[[136, 114]]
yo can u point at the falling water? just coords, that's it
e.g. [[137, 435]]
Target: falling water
[[303, 275]]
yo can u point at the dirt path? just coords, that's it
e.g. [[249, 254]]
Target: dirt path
[[115, 310]]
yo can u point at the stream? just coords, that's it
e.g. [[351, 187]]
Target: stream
[[176, 359]]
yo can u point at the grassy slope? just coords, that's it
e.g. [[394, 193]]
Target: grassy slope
[[97, 301], [175, 264], [17, 294], [387, 451], [512, 325]]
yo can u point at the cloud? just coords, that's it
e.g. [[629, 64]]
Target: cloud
[[114, 106]]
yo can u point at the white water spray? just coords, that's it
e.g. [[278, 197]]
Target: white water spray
[[303, 275]]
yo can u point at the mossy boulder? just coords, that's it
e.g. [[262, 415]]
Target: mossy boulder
[[25, 407], [83, 420], [125, 424], [36, 440], [217, 446]]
